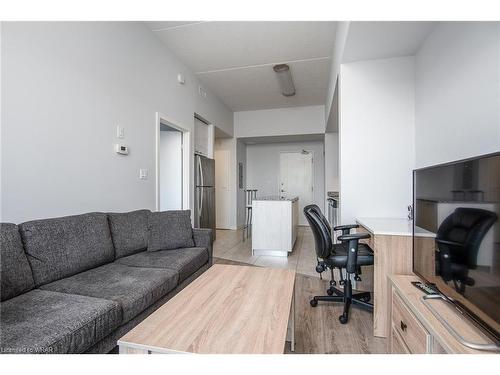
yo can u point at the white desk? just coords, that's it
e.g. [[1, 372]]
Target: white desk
[[392, 227], [391, 241]]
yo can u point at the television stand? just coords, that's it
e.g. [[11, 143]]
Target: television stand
[[416, 329]]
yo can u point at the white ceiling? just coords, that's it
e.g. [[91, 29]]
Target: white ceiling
[[378, 40], [235, 59]]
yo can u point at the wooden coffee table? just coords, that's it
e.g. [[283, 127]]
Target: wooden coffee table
[[228, 309]]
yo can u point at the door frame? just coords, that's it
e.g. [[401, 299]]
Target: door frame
[[312, 170], [186, 160]]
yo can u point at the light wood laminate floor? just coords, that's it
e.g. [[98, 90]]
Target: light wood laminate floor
[[230, 245], [317, 330]]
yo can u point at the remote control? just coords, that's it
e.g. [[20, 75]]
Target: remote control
[[426, 288]]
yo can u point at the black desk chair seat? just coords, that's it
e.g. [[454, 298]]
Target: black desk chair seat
[[339, 256], [347, 256]]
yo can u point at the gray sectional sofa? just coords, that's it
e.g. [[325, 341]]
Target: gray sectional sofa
[[77, 284]]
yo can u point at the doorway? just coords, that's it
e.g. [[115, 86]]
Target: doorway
[[296, 178], [172, 165]]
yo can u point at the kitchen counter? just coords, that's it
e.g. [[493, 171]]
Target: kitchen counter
[[392, 227], [277, 198], [274, 225], [332, 194]]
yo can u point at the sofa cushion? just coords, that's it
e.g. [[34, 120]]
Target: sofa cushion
[[203, 237], [133, 288], [129, 232], [16, 272], [186, 261], [62, 247], [170, 230], [48, 322]]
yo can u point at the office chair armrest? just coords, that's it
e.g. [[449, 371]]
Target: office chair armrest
[[352, 242], [346, 229], [353, 236], [449, 243]]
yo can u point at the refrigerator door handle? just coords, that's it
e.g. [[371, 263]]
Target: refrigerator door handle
[[200, 202], [200, 169]]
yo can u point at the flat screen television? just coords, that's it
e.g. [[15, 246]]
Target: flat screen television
[[456, 235]]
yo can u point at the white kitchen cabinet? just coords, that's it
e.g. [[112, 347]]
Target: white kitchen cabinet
[[203, 138]]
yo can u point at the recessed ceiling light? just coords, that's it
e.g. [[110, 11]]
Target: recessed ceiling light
[[285, 79]]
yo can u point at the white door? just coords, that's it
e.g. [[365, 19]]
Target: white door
[[222, 189], [170, 170], [296, 179]]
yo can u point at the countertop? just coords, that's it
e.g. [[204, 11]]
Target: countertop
[[277, 198], [333, 195], [457, 201], [392, 227]]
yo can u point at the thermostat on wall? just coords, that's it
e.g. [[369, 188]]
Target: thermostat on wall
[[121, 149]]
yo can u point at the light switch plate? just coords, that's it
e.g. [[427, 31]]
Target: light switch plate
[[143, 174], [120, 132]]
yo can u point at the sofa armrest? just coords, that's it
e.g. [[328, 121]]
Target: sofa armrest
[[203, 238]]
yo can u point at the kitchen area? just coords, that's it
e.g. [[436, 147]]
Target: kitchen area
[[285, 176]]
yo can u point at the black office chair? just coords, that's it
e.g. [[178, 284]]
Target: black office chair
[[349, 255], [458, 240]]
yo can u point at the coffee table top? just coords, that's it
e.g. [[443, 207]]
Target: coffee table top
[[228, 309]]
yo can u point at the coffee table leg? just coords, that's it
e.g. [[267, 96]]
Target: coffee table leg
[[291, 324]]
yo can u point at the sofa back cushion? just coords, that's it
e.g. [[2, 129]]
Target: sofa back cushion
[[129, 232], [16, 271], [61, 247], [170, 230]]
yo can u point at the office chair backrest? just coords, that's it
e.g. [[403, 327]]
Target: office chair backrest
[[315, 208], [320, 229], [467, 226]]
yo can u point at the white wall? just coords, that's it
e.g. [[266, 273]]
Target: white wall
[[263, 168], [331, 162], [280, 121], [341, 33], [376, 138], [231, 199], [458, 92], [65, 88], [170, 170], [226, 202]]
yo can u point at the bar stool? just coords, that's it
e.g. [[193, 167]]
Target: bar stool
[[250, 195]]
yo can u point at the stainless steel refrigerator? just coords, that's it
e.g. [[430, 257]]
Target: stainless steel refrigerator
[[204, 193]]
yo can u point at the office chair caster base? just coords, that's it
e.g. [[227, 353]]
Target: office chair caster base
[[329, 291], [343, 318], [313, 303]]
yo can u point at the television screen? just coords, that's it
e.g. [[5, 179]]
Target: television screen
[[456, 242]]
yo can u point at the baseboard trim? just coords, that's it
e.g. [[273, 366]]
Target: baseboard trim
[[272, 253]]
